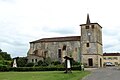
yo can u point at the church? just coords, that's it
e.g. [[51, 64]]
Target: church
[[86, 49]]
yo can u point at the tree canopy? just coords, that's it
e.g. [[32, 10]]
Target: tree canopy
[[4, 55]]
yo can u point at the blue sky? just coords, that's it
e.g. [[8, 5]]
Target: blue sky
[[23, 21]]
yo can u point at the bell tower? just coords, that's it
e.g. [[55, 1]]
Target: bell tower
[[91, 44]]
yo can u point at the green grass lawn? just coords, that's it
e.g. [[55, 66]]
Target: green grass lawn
[[48, 75]]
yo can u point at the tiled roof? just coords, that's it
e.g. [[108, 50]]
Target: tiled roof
[[111, 54], [58, 39]]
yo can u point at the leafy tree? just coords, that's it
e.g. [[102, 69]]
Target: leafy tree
[[0, 50], [47, 61], [29, 64], [21, 61], [56, 62], [1, 58], [40, 62], [5, 55]]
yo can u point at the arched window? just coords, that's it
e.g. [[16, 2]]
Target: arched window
[[64, 47], [59, 53]]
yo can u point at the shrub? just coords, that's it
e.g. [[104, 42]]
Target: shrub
[[40, 62], [56, 62], [74, 63], [29, 64], [4, 68], [21, 61]]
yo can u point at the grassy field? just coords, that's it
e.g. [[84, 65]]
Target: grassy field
[[49, 75]]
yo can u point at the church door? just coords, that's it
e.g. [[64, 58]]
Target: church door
[[90, 62], [100, 62]]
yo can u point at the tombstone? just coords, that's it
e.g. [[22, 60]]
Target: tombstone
[[14, 62], [67, 64]]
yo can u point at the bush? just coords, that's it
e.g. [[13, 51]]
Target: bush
[[75, 63], [56, 62], [47, 61], [4, 68], [21, 61], [29, 64], [40, 63]]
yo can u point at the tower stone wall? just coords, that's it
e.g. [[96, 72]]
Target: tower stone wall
[[91, 44]]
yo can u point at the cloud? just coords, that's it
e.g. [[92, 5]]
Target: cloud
[[111, 39], [60, 30], [23, 21]]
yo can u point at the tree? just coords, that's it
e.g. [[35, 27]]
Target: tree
[[5, 55], [21, 61], [40, 62], [0, 50], [1, 58], [47, 61], [29, 64]]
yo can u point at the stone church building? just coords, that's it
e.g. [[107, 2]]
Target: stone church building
[[86, 48]]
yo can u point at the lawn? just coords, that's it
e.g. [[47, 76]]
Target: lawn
[[48, 75]]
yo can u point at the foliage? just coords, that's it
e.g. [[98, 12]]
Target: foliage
[[5, 63], [5, 55], [21, 61], [1, 58], [45, 62], [47, 68], [29, 64], [40, 62], [0, 50], [46, 75], [5, 59], [74, 63], [56, 62]]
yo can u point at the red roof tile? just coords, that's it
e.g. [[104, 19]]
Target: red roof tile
[[111, 54]]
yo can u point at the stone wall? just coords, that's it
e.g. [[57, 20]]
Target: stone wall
[[56, 50]]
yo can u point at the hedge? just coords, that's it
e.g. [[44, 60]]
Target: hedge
[[4, 68]]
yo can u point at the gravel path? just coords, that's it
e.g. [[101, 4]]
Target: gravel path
[[110, 73]]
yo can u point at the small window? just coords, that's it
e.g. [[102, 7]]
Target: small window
[[87, 45], [75, 49], [64, 47], [32, 60], [59, 53], [35, 60], [87, 27], [92, 26]]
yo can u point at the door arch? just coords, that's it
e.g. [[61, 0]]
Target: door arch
[[90, 62]]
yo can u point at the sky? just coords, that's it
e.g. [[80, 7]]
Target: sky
[[23, 21]]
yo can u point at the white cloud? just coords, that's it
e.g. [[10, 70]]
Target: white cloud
[[22, 21]]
